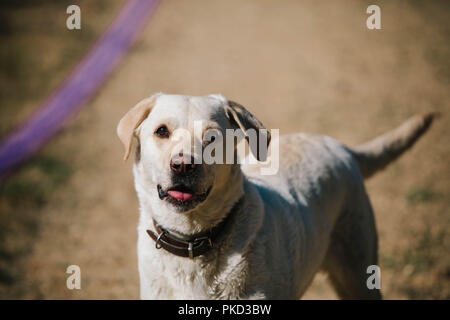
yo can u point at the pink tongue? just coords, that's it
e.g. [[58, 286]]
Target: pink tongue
[[179, 195]]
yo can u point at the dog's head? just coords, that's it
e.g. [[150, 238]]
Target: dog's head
[[182, 155]]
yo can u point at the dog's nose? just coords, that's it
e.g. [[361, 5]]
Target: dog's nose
[[182, 164]]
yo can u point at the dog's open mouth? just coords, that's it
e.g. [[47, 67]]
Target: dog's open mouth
[[182, 195]]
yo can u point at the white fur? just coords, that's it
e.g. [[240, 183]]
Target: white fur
[[313, 214]]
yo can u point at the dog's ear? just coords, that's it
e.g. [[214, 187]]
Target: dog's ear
[[131, 120], [243, 119]]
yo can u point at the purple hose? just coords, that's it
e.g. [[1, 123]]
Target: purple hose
[[81, 85]]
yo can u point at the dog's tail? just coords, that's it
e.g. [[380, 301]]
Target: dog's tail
[[376, 154]]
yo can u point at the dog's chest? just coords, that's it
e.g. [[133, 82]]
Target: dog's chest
[[166, 276], [187, 278]]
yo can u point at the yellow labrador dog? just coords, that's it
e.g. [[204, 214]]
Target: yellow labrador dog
[[225, 231]]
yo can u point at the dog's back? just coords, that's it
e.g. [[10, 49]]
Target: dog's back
[[317, 212], [317, 181]]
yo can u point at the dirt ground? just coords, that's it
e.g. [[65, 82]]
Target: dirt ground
[[309, 66]]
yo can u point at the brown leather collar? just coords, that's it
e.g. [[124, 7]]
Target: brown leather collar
[[193, 246]]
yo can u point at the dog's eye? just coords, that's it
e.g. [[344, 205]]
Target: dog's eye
[[162, 132]]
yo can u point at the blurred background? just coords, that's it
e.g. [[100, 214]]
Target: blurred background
[[309, 66]]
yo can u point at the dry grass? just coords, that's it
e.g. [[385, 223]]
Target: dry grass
[[299, 66], [37, 52]]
